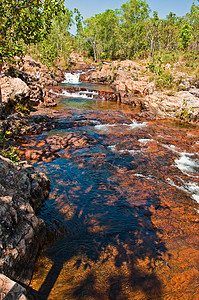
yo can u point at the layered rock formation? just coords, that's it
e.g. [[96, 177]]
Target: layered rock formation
[[125, 76]]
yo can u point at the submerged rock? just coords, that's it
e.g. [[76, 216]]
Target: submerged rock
[[22, 192]]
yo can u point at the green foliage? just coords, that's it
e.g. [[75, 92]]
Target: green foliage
[[134, 11], [156, 65], [100, 35], [185, 36], [185, 112], [125, 33], [129, 32], [25, 21], [58, 44], [3, 139], [21, 108], [11, 153], [165, 80]]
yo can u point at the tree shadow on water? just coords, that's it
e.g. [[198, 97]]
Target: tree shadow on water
[[108, 227]]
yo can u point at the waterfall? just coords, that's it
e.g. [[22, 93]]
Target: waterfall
[[71, 78]]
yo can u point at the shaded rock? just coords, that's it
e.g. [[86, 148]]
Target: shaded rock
[[17, 125], [22, 192], [23, 88], [47, 77]]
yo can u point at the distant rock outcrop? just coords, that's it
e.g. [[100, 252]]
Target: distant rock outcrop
[[129, 79]]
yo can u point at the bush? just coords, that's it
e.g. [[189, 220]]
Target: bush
[[165, 80], [11, 153]]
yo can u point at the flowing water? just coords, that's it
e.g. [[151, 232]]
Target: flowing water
[[122, 213]]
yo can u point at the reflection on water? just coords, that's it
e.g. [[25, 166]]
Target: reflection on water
[[91, 104], [121, 212]]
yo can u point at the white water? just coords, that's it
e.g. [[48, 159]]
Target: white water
[[81, 94], [186, 164], [189, 187], [145, 141], [131, 152], [72, 78], [133, 125]]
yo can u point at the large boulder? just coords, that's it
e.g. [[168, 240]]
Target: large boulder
[[182, 105], [14, 91], [22, 192]]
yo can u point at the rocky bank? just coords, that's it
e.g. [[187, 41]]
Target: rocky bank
[[27, 86], [22, 91], [22, 189], [22, 192]]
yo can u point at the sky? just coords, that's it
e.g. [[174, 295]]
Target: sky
[[89, 8]]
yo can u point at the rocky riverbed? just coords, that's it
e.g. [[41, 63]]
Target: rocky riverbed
[[23, 190]]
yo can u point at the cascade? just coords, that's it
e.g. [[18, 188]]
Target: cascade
[[72, 78], [81, 94]]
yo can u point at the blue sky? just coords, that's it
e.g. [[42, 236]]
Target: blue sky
[[89, 8]]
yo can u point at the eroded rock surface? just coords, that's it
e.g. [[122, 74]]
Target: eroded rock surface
[[22, 192]]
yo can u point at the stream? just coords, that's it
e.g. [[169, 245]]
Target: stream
[[123, 211]]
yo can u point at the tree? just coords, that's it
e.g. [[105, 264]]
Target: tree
[[25, 20], [170, 32], [58, 43], [154, 32], [133, 15], [79, 26], [100, 32], [134, 11], [194, 22], [185, 36]]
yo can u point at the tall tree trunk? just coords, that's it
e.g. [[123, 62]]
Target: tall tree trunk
[[94, 51]]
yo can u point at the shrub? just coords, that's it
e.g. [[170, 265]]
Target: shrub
[[11, 153], [165, 80]]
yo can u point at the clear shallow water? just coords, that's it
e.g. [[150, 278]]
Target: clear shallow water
[[117, 208], [91, 104]]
